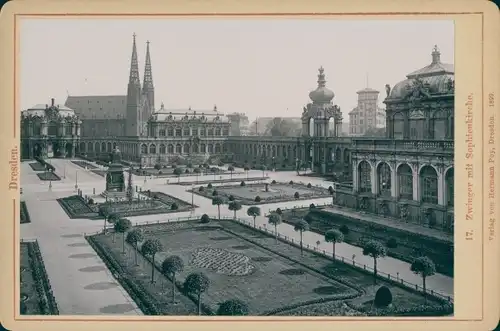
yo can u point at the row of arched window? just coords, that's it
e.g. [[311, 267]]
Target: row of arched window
[[186, 131], [181, 149], [428, 182]]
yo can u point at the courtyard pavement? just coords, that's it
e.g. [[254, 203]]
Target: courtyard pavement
[[81, 283]]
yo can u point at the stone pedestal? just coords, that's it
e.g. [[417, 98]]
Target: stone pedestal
[[115, 180]]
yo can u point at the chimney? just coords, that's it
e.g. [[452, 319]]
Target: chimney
[[52, 102]]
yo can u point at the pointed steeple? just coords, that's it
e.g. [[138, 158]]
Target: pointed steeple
[[134, 66], [148, 73]]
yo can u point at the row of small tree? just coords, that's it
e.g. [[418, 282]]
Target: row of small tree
[[422, 265], [195, 283]]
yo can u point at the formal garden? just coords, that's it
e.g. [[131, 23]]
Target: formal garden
[[24, 215], [182, 170], [84, 164], [403, 245], [36, 296], [146, 203], [37, 166], [223, 267], [48, 176], [262, 193], [218, 181]]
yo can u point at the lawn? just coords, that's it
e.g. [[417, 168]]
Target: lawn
[[48, 175], [24, 215], [99, 172], [277, 192], [37, 166], [236, 269], [76, 206], [84, 164], [227, 180], [35, 292], [408, 246], [169, 172], [244, 264]]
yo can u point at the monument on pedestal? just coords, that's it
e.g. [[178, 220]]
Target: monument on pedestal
[[115, 180]]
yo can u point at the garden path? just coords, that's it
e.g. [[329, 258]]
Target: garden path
[[66, 253]]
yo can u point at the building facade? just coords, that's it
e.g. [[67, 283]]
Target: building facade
[[367, 115], [49, 131], [410, 173], [240, 126]]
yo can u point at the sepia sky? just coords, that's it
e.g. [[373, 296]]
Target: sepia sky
[[258, 67]]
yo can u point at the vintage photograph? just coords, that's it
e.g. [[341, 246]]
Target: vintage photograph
[[236, 167]]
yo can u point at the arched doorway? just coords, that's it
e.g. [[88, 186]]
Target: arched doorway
[[69, 150], [450, 187]]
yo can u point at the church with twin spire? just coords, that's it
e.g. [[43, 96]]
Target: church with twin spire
[[119, 115]]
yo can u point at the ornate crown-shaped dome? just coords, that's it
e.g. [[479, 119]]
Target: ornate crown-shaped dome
[[321, 94], [436, 78]]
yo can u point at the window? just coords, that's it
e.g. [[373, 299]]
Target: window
[[210, 132], [170, 149], [429, 186], [360, 121], [365, 183], [195, 132], [178, 132], [178, 149], [186, 132], [398, 132], [68, 130], [384, 179], [162, 149], [405, 178], [162, 133], [202, 132], [217, 131], [226, 132], [170, 132], [152, 149], [439, 123]]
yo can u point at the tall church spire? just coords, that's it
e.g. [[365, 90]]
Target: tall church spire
[[148, 86], [134, 66], [148, 74]]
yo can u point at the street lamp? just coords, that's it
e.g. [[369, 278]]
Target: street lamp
[[192, 196], [64, 175], [76, 180]]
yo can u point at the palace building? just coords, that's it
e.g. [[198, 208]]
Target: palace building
[[408, 174], [49, 131]]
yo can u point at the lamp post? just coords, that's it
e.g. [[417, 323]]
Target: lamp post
[[76, 180], [192, 196], [64, 174]]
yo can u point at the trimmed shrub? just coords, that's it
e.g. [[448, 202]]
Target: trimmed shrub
[[290, 182], [186, 171], [205, 218], [312, 206], [231, 198], [215, 193], [242, 183], [383, 297], [309, 185], [201, 189], [91, 201], [296, 195], [257, 199], [344, 229], [392, 243], [273, 182], [209, 185], [174, 206]]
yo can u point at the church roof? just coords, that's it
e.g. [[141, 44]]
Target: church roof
[[98, 106]]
